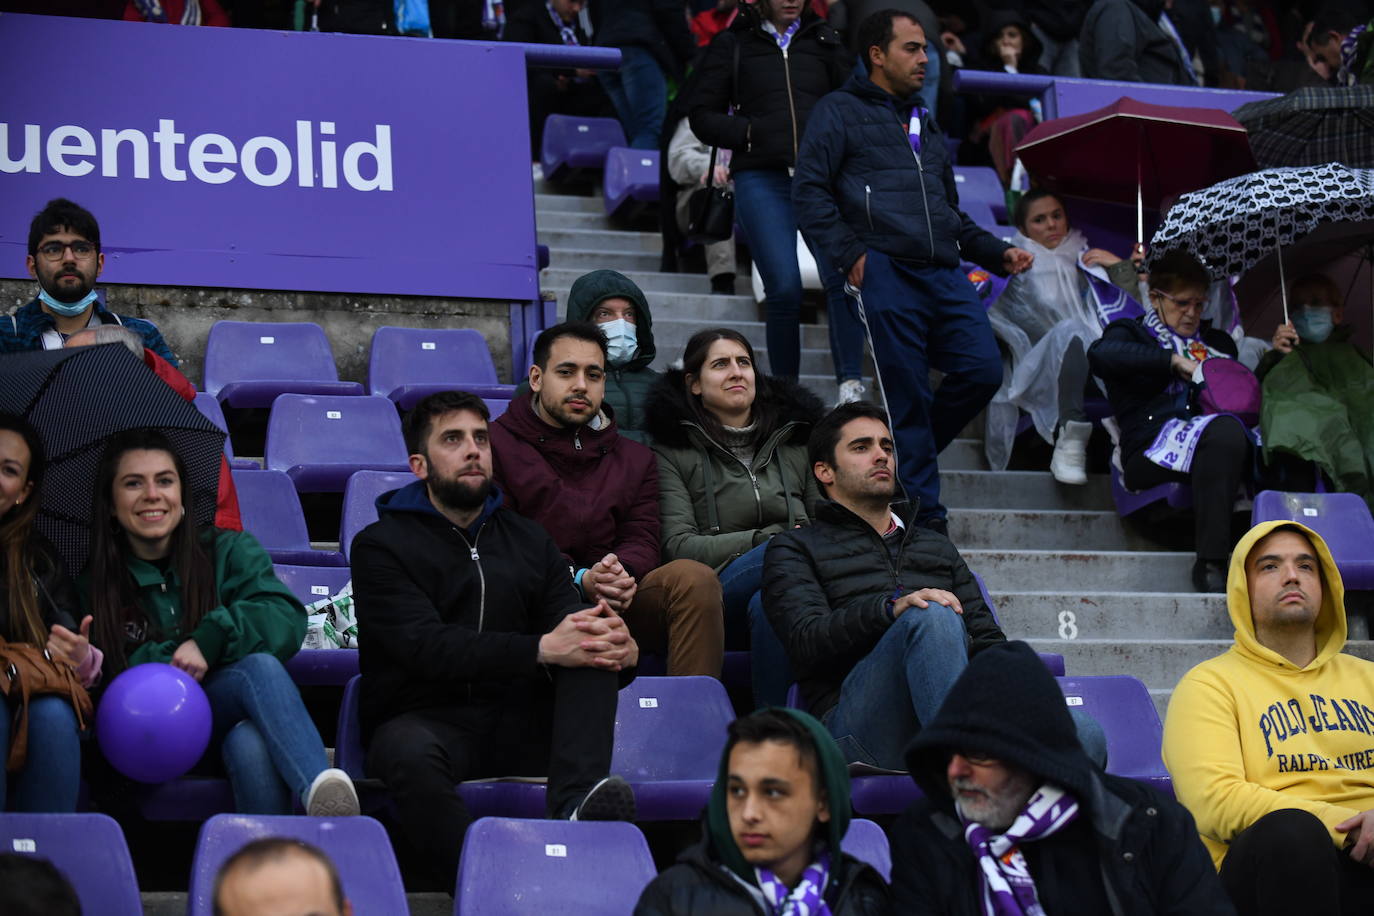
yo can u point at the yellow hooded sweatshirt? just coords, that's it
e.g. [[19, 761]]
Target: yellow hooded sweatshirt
[[1248, 732]]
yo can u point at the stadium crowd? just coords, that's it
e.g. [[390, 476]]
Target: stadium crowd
[[506, 594]]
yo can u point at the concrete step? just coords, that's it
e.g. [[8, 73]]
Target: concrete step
[[1042, 529], [1159, 664], [585, 259], [650, 280], [610, 241], [1073, 572], [961, 455], [1161, 697], [1112, 615], [692, 310], [571, 219], [672, 333], [568, 203], [1020, 489]]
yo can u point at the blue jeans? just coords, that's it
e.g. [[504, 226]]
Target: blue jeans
[[769, 668], [899, 685], [639, 92], [740, 581], [271, 749], [919, 318], [51, 775], [763, 207]]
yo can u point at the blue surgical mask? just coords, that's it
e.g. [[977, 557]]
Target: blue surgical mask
[[620, 338], [1313, 324], [66, 309], [1216, 15]]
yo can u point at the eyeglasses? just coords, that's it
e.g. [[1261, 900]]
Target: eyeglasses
[[1195, 305], [977, 758], [53, 251]]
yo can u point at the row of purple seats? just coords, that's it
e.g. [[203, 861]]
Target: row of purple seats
[[250, 363], [573, 146], [979, 188], [1342, 520]]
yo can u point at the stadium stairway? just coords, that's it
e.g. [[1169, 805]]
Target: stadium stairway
[[1065, 572]]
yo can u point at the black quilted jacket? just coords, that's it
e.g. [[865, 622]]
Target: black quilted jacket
[[826, 589], [859, 186]]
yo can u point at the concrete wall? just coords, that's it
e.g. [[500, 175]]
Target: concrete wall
[[184, 315]]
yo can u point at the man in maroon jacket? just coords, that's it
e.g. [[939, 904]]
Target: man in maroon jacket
[[560, 461]]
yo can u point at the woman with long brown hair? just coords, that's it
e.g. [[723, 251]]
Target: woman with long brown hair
[[207, 601], [37, 603]]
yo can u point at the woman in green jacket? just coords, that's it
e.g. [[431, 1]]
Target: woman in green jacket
[[206, 601], [733, 471]]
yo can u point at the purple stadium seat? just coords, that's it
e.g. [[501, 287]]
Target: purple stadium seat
[[190, 798], [210, 409], [311, 583], [88, 848], [542, 255], [496, 406], [866, 842], [323, 667], [272, 513], [409, 364], [630, 180], [575, 143], [1177, 495], [358, 846], [360, 501], [1343, 521], [516, 867], [321, 441], [482, 797], [249, 363], [980, 183], [669, 732], [1123, 707]]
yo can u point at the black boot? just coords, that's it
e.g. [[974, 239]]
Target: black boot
[[1209, 575]]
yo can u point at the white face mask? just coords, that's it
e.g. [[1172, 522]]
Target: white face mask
[[620, 338]]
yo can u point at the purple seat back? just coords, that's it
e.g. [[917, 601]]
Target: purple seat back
[[980, 183], [88, 848], [631, 175], [670, 728], [1123, 707], [321, 441], [249, 363], [408, 364], [311, 583], [349, 754], [209, 407], [883, 794], [866, 842], [572, 142], [1342, 520], [496, 406], [358, 846], [271, 512], [323, 667], [1177, 495], [360, 501], [513, 867]]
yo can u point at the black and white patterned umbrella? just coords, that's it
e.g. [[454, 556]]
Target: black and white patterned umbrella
[[1233, 224], [77, 399]]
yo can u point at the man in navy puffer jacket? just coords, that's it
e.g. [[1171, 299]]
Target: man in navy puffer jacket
[[875, 190]]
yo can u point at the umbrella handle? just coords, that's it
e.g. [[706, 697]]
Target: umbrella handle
[[1283, 283]]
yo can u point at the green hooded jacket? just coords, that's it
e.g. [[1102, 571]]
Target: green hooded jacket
[[627, 386], [1319, 405], [256, 613]]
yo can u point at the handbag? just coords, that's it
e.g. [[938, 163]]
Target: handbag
[[1229, 387], [711, 210]]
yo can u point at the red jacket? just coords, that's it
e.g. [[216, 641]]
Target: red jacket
[[592, 490], [227, 499]]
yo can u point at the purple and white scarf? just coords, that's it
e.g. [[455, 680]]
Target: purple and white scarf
[[567, 32], [806, 899], [152, 11], [783, 38], [1008, 888]]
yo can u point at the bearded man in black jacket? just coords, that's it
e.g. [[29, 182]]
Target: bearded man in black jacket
[[878, 615]]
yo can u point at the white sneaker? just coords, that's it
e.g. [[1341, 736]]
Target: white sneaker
[[332, 795], [1069, 464], [537, 170], [851, 390]]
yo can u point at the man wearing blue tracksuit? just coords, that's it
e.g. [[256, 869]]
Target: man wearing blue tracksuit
[[875, 190]]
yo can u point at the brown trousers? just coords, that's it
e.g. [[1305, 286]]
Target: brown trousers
[[678, 610]]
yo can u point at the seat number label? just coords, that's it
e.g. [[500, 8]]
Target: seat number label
[[334, 414], [267, 340], [25, 845], [426, 345], [319, 589], [648, 702], [1073, 701], [556, 850]]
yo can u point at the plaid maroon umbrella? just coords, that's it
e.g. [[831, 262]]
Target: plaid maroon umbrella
[[1133, 152]]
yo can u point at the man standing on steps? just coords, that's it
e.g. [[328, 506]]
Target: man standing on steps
[[1271, 745], [875, 190], [878, 615]]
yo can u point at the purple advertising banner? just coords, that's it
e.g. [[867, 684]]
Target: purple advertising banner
[[272, 160]]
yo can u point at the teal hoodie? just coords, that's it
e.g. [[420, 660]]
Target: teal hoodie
[[627, 386]]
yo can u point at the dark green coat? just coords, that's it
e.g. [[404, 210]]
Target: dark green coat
[[627, 386], [712, 507], [256, 612]]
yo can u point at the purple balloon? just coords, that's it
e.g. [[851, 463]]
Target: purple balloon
[[153, 723]]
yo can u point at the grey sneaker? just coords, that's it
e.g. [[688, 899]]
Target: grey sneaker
[[611, 799], [332, 795]]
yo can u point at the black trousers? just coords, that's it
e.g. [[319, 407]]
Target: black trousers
[[1221, 464], [1285, 863], [563, 730]]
